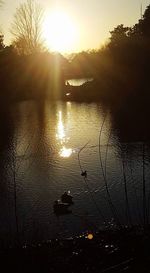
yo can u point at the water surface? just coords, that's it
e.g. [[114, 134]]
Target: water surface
[[40, 144], [78, 82]]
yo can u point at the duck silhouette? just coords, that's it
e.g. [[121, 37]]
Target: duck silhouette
[[84, 173], [66, 198], [60, 208]]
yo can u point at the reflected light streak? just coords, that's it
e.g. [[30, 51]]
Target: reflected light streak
[[61, 132], [65, 152]]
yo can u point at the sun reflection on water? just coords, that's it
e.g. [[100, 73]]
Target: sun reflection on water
[[61, 131], [65, 152], [63, 139]]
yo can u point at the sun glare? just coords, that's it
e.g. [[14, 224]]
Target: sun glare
[[65, 152], [60, 32]]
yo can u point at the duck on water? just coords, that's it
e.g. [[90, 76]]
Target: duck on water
[[67, 198], [62, 207]]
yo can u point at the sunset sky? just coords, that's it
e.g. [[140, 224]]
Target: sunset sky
[[88, 21]]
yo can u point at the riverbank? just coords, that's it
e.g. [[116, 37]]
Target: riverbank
[[125, 250]]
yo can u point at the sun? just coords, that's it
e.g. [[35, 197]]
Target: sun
[[59, 31]]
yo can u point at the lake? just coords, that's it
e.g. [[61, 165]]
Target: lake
[[78, 82], [43, 148]]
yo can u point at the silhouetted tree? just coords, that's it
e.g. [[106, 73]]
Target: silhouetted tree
[[119, 35], [26, 27], [1, 36], [20, 46], [144, 24], [2, 42], [142, 28]]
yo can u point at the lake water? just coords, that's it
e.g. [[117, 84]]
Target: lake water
[[40, 145], [78, 82]]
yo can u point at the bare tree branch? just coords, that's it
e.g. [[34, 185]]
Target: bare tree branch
[[27, 27]]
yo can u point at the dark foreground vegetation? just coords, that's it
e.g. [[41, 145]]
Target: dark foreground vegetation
[[110, 251]]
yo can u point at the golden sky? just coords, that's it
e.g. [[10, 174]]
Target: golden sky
[[83, 24]]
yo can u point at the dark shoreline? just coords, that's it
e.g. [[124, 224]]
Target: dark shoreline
[[125, 250]]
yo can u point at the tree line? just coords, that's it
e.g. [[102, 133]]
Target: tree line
[[27, 69], [120, 69]]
